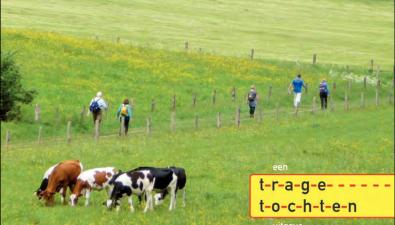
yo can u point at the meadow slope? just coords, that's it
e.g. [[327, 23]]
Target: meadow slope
[[67, 72], [339, 31]]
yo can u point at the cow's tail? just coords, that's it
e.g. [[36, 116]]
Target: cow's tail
[[82, 168]]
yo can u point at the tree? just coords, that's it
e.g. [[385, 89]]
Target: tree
[[12, 92]]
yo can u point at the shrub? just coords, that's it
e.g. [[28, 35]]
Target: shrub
[[12, 92]]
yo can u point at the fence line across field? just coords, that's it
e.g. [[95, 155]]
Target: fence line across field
[[261, 115]]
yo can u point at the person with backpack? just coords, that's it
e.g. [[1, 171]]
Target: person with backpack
[[125, 111], [252, 100], [324, 93], [97, 106], [297, 85]]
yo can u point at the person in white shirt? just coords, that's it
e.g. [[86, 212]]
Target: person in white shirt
[[97, 106]]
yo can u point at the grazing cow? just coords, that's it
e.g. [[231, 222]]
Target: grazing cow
[[63, 175], [135, 182], [44, 182], [166, 181], [93, 179], [181, 182]]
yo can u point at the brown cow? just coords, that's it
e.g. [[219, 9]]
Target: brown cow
[[63, 175]]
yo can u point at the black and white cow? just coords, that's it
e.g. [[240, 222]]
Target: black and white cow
[[181, 182], [167, 180], [136, 182]]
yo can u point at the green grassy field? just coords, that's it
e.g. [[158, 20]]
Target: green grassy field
[[339, 31], [218, 164]]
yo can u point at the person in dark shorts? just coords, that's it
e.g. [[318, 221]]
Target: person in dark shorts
[[125, 111], [324, 93], [252, 100]]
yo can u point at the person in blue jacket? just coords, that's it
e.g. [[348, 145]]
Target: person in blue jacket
[[125, 111], [297, 85], [324, 93]]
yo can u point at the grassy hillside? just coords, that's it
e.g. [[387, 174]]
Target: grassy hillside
[[218, 164], [67, 72], [339, 31]]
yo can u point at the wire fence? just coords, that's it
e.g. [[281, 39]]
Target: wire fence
[[218, 120]]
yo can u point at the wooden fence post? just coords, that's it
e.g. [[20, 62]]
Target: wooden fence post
[[218, 120], [174, 102], [307, 88], [260, 115], [277, 111], [332, 103], [82, 114], [334, 86], [377, 96], [349, 84], [39, 135], [362, 100], [238, 117], [270, 93], [148, 126], [313, 106], [186, 45], [37, 112], [122, 127], [252, 54], [364, 82], [378, 83], [7, 139], [153, 105], [196, 121], [68, 132], [97, 134], [214, 96], [234, 94], [194, 100], [173, 121], [390, 98], [58, 116], [314, 58], [371, 65], [346, 103], [118, 39]]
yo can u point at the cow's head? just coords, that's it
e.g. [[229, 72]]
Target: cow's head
[[48, 197], [38, 193], [74, 199], [158, 198]]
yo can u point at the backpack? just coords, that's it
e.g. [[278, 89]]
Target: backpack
[[94, 107], [323, 88], [124, 110]]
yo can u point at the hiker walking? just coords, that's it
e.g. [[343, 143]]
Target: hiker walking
[[252, 100], [297, 85], [125, 111], [97, 106], [324, 93]]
